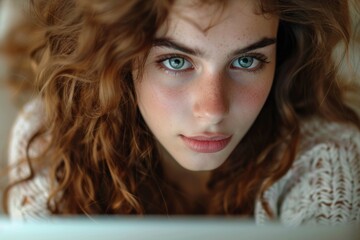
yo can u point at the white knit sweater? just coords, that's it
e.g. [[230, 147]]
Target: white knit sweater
[[323, 185]]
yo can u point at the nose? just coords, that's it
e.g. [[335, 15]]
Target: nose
[[211, 99]]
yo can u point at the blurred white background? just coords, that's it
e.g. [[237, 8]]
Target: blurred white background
[[9, 14]]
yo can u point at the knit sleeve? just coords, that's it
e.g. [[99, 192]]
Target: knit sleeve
[[27, 200], [325, 185]]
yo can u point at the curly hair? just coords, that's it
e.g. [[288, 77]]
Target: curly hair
[[102, 157]]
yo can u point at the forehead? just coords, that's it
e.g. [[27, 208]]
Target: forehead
[[217, 28], [233, 19]]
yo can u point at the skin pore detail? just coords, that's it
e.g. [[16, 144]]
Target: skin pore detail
[[201, 91]]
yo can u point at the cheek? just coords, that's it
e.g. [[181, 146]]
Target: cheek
[[260, 92], [160, 92], [257, 97], [250, 99], [254, 88], [158, 104]]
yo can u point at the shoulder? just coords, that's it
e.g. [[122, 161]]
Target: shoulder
[[27, 123], [315, 132], [27, 200], [323, 185]]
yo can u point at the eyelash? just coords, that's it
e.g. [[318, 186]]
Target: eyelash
[[162, 59], [257, 56]]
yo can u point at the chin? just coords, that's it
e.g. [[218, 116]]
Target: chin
[[201, 165]]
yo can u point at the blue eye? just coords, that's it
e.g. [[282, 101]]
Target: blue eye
[[176, 63], [245, 62]]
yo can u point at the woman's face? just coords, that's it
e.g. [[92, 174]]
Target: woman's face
[[206, 79]]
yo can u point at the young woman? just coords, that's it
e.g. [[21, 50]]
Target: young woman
[[188, 107]]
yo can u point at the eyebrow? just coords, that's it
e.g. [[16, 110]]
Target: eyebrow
[[170, 43]]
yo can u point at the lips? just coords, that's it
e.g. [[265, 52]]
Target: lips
[[206, 144]]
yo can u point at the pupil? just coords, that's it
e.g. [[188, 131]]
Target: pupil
[[246, 62], [177, 63]]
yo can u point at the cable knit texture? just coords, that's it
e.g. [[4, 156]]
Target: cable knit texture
[[322, 186]]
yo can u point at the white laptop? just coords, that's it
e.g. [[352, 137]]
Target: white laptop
[[158, 228]]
